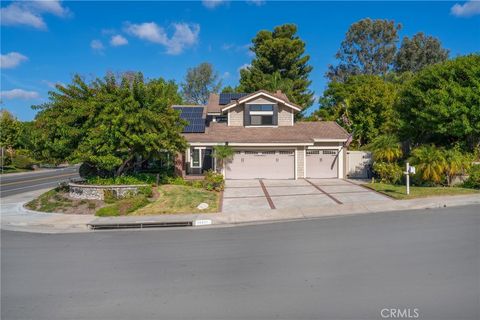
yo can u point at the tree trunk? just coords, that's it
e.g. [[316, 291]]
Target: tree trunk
[[122, 167]]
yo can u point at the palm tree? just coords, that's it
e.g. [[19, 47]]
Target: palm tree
[[430, 162], [385, 148], [223, 153], [456, 163]]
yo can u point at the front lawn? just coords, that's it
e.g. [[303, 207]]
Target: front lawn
[[400, 191], [57, 200], [181, 199]]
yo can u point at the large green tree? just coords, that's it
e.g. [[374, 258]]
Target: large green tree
[[200, 81], [280, 63], [363, 104], [109, 123], [9, 130], [368, 48], [418, 52], [441, 104]]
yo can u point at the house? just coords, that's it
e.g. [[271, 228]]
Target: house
[[267, 140]]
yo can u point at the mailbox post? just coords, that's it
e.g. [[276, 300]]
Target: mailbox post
[[409, 170]]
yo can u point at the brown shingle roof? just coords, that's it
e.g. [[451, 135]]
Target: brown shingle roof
[[301, 132], [213, 103]]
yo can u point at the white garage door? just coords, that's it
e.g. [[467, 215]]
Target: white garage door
[[322, 164], [266, 164]]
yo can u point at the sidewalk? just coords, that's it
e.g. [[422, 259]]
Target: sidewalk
[[16, 217]]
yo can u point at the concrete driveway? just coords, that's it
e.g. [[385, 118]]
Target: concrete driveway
[[251, 195]]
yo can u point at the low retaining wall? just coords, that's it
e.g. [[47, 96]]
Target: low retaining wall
[[97, 192]]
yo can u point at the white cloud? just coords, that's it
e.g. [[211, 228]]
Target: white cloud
[[52, 85], [212, 4], [468, 9], [11, 60], [97, 45], [184, 36], [30, 13], [257, 2], [226, 75], [19, 94], [118, 40], [244, 66]]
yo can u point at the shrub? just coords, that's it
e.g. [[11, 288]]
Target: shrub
[[123, 207], [456, 163], [473, 180], [430, 163], [147, 191], [141, 178], [387, 172], [213, 181], [385, 148], [22, 162]]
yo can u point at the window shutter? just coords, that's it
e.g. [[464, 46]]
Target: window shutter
[[246, 115], [275, 115]]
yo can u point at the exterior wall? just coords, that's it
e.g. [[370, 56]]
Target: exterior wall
[[97, 192], [235, 116], [285, 116], [300, 162]]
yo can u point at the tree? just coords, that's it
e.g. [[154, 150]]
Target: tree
[[456, 163], [223, 153], [9, 129], [363, 104], [420, 51], [199, 83], [280, 63], [385, 148], [110, 123], [441, 104], [368, 48], [229, 89]]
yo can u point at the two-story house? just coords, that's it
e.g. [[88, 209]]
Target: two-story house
[[267, 140]]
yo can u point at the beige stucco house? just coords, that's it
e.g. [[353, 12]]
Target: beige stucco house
[[267, 140]]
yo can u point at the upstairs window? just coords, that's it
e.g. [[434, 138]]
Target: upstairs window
[[261, 107], [261, 115], [261, 120]]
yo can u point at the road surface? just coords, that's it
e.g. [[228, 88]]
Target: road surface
[[11, 184], [337, 268]]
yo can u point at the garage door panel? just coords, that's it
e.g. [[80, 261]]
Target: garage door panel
[[321, 164], [266, 164]]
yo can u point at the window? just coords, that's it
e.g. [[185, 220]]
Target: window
[[261, 120], [196, 158], [261, 107]]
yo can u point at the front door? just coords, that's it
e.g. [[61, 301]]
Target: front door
[[207, 163]]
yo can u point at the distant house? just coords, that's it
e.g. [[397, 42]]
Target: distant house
[[267, 140]]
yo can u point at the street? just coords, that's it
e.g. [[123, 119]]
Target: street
[[30, 181], [335, 268]]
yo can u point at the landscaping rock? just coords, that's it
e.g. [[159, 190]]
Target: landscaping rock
[[202, 206]]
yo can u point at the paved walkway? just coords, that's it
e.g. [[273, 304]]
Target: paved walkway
[[15, 217]]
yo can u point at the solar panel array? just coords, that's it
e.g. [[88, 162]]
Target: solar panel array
[[225, 98], [194, 116]]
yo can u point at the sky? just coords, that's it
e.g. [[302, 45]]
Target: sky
[[47, 42]]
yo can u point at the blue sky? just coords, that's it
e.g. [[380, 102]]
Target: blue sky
[[44, 43]]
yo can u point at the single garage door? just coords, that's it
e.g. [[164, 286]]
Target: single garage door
[[267, 164], [322, 164]]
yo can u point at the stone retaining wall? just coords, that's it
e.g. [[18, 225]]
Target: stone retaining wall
[[97, 192]]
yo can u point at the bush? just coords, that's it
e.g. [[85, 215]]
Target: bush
[[22, 162], [141, 178], [123, 207], [430, 163], [213, 181], [387, 172], [473, 180], [147, 191]]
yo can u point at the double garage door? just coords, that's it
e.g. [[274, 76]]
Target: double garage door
[[280, 164], [266, 164]]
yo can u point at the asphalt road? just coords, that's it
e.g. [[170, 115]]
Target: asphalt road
[[336, 268], [11, 184]]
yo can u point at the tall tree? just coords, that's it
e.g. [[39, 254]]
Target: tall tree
[[441, 104], [368, 48], [419, 52], [363, 104], [111, 122], [9, 129], [200, 81], [280, 63]]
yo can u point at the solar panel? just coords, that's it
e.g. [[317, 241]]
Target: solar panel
[[225, 98], [194, 117]]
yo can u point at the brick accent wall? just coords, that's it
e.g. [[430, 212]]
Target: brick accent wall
[[285, 116], [236, 116], [300, 162]]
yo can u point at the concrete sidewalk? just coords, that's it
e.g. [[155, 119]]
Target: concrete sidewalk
[[15, 217]]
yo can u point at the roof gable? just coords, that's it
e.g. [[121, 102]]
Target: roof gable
[[257, 94]]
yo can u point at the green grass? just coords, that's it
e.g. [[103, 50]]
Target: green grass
[[181, 199], [123, 207], [6, 170], [400, 191]]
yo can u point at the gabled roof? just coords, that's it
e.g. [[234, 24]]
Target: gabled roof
[[278, 97]]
